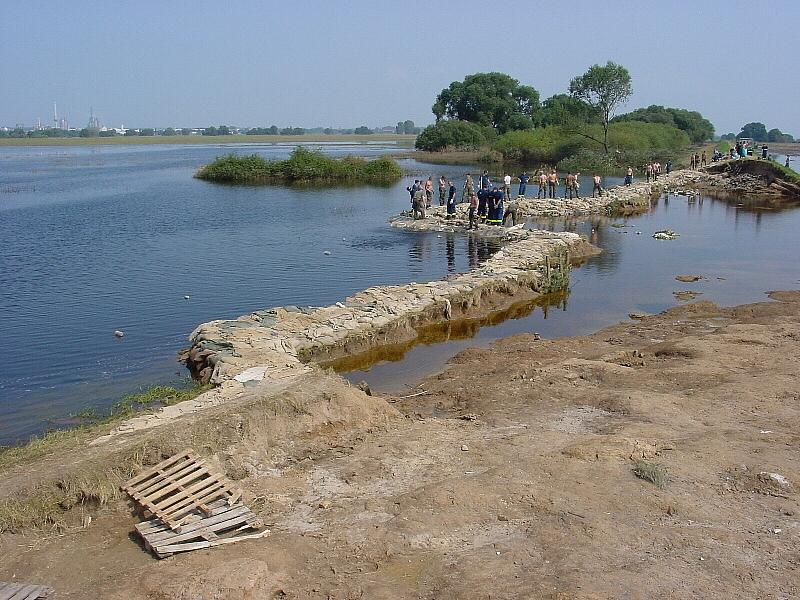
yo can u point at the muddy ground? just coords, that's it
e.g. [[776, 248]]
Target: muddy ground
[[510, 477]]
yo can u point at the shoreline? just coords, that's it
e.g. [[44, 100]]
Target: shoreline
[[206, 139], [528, 448]]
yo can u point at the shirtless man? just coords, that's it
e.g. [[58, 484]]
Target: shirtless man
[[552, 182], [542, 185], [429, 192], [629, 176]]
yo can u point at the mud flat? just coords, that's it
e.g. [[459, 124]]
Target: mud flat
[[512, 476]]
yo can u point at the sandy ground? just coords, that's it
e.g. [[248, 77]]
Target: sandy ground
[[510, 478]]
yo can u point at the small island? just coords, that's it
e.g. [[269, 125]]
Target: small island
[[303, 166]]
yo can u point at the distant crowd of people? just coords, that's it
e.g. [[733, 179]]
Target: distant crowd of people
[[492, 203]]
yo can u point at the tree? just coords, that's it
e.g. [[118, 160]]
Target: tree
[[131, 132], [698, 128], [449, 133], [756, 131], [169, 131], [777, 136], [729, 136], [489, 99], [210, 130], [362, 130], [108, 133], [563, 109], [604, 89], [186, 131], [148, 131]]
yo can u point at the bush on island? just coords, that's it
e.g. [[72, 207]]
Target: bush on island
[[303, 166], [451, 134]]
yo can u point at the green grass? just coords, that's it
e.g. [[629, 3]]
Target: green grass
[[653, 472], [403, 140], [303, 166], [95, 425]]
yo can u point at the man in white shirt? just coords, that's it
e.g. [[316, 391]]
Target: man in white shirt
[[507, 187]]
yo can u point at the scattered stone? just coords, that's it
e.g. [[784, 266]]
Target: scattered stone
[[686, 295], [638, 315], [665, 234], [464, 448], [324, 504], [119, 334], [186, 297], [327, 252], [469, 417], [502, 518], [364, 387], [688, 278]]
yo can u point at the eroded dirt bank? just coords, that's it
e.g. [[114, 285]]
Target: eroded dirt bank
[[511, 478]]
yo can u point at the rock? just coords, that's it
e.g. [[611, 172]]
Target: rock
[[186, 297], [665, 234], [324, 504], [119, 334], [327, 252], [502, 518], [688, 278], [686, 295], [364, 387], [638, 315], [464, 448]]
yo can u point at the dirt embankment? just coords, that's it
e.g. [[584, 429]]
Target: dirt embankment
[[762, 178], [512, 476]]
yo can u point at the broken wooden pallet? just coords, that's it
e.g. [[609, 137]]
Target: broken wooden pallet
[[22, 591], [176, 488], [225, 526]]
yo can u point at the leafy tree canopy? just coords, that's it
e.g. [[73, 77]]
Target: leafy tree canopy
[[563, 109], [777, 136], [756, 131], [603, 88], [489, 99], [698, 128], [362, 130], [449, 133]]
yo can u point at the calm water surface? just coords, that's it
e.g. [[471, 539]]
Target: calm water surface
[[94, 239]]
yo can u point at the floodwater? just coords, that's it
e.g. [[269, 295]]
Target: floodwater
[[105, 238], [98, 239], [741, 251]]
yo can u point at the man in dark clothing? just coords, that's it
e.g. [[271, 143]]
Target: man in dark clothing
[[495, 207], [483, 198], [523, 183], [451, 201], [485, 181]]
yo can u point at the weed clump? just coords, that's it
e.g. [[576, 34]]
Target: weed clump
[[653, 472]]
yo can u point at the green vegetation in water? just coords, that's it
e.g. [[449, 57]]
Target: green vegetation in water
[[93, 424], [653, 472], [303, 166]]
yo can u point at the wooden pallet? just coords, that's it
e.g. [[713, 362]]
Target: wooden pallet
[[22, 591], [226, 526], [176, 489]]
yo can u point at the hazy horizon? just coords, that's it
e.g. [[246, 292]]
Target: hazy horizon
[[313, 64]]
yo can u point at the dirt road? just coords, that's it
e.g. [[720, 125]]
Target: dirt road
[[512, 477]]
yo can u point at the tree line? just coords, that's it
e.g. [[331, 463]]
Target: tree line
[[758, 132]]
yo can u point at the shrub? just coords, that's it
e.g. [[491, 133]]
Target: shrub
[[303, 166], [452, 135], [651, 471]]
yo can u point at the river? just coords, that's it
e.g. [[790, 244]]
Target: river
[[105, 238]]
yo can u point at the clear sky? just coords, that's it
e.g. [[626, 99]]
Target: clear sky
[[148, 63]]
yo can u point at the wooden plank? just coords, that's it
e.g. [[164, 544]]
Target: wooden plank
[[198, 545], [162, 488], [151, 487], [201, 501], [185, 537], [210, 522], [186, 493], [160, 466], [27, 591], [160, 475]]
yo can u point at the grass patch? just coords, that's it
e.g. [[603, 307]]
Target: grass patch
[[303, 166], [653, 472], [59, 439]]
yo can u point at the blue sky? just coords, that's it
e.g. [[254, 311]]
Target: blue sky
[[313, 63]]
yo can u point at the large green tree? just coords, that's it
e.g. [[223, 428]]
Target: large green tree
[[603, 88], [756, 131], [563, 109], [698, 128], [490, 99]]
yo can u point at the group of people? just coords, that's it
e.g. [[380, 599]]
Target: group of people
[[697, 160], [493, 204], [654, 169]]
